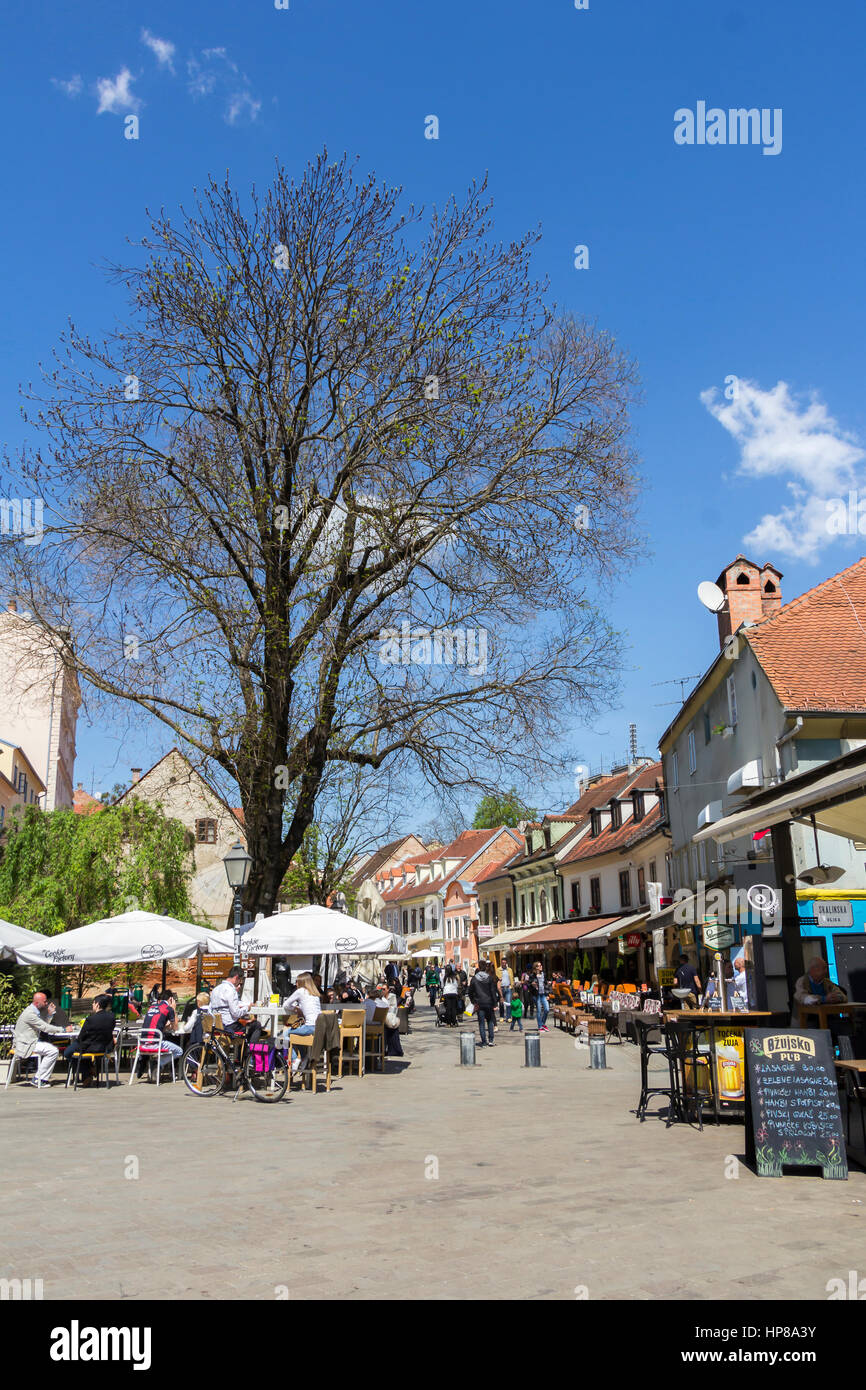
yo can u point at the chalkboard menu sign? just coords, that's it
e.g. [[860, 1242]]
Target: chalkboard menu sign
[[793, 1116]]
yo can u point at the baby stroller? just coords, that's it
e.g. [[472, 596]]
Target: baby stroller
[[440, 1013]]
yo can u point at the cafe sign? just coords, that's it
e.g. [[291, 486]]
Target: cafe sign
[[717, 937]]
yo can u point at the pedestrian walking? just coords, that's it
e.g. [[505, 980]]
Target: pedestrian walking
[[516, 1010], [432, 984], [530, 994], [541, 1005], [450, 997], [506, 982], [484, 993]]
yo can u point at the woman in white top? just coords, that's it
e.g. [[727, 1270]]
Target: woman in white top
[[307, 1000], [449, 997]]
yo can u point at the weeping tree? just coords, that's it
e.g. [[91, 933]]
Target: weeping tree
[[339, 489]]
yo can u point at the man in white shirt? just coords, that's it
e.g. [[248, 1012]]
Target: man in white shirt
[[226, 1001], [505, 997]]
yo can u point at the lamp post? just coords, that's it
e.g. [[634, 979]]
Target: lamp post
[[237, 865]]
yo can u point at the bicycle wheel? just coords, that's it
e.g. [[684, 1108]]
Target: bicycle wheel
[[267, 1085], [204, 1070]]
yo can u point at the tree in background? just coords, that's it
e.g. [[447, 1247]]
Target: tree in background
[[502, 808], [59, 870], [342, 489]]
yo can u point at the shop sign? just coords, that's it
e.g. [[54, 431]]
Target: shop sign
[[717, 937], [666, 977], [215, 967], [834, 914], [633, 940]]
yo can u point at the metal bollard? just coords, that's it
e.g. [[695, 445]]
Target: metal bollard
[[597, 1054], [467, 1049], [532, 1050]]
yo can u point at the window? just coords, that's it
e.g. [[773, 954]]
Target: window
[[641, 886], [465, 928], [496, 912], [487, 914], [732, 703], [507, 913], [675, 770], [575, 897], [708, 733], [595, 893], [532, 907], [693, 755], [653, 874], [522, 909], [625, 889], [447, 928], [205, 832], [595, 824], [405, 923], [638, 806], [421, 919], [556, 917], [615, 815]]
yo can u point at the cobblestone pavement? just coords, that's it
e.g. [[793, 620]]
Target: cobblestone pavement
[[432, 1181]]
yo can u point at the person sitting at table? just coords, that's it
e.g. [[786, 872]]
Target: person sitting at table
[[189, 1027], [97, 1034], [161, 1018], [307, 1000], [30, 1037], [816, 987], [225, 1000], [350, 994]]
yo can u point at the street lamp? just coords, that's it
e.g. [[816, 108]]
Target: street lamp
[[237, 864]]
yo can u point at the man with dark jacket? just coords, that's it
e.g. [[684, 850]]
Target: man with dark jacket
[[484, 993], [97, 1032]]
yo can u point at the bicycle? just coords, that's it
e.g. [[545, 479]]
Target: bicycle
[[208, 1065]]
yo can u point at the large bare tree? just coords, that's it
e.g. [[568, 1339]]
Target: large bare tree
[[339, 489]]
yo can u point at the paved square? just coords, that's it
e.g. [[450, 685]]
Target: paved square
[[547, 1186]]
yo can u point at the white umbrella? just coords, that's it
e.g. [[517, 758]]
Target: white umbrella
[[424, 955], [131, 936], [310, 931], [13, 938]]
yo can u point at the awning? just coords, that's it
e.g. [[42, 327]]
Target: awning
[[561, 933], [503, 942], [837, 800]]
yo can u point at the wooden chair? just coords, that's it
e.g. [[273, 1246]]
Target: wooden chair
[[312, 1072], [352, 1028], [375, 1035]]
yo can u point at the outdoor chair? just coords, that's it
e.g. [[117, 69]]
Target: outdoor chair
[[150, 1049], [16, 1068], [375, 1036], [73, 1072], [352, 1029]]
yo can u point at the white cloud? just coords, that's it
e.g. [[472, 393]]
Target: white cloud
[[213, 73], [71, 86], [116, 95], [797, 442], [240, 105], [162, 49]]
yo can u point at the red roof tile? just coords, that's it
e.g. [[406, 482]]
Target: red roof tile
[[814, 650], [629, 833]]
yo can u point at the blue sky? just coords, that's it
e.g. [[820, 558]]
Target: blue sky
[[706, 262]]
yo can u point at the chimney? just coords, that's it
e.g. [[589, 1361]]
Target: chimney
[[751, 595], [136, 773]]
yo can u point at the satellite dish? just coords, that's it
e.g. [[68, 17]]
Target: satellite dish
[[711, 596]]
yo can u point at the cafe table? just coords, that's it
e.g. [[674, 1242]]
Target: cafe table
[[270, 1013], [709, 1021], [824, 1011], [852, 1069]]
